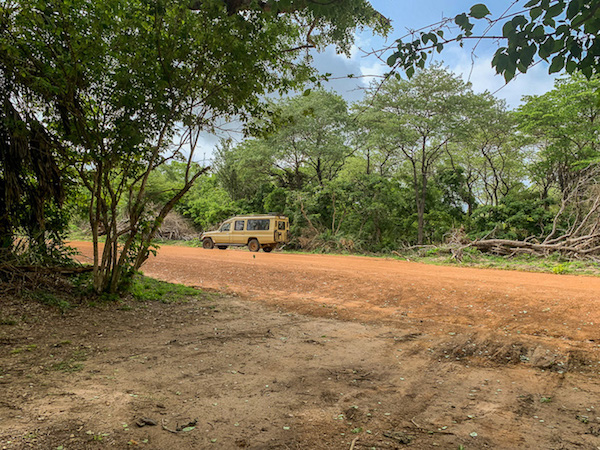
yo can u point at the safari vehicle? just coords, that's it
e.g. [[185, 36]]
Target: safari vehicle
[[266, 231]]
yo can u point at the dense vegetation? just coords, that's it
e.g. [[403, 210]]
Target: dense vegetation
[[103, 103], [412, 163], [97, 95]]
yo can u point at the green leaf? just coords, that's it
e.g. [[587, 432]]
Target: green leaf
[[188, 428], [527, 55], [558, 62], [479, 11], [519, 21], [410, 72], [554, 10], [307, 92], [507, 29], [534, 13], [573, 9]]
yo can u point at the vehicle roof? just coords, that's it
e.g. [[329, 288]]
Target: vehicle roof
[[258, 216]]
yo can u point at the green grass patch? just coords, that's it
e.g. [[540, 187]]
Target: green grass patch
[[72, 364], [28, 348], [473, 258], [49, 299], [8, 321], [149, 289]]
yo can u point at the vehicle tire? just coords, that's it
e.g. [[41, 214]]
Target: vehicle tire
[[208, 243], [253, 245], [222, 247], [267, 249]]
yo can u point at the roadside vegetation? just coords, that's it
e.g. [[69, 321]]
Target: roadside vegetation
[[100, 138]]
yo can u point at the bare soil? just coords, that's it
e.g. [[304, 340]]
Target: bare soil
[[309, 352]]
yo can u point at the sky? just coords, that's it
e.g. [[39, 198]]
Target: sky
[[473, 65]]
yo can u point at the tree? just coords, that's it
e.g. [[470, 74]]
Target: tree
[[315, 135], [116, 82], [423, 116], [491, 158], [31, 184], [564, 123], [561, 32]]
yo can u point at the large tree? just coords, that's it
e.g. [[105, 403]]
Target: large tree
[[125, 85], [422, 116], [564, 124]]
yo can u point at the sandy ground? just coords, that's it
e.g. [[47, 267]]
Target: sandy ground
[[310, 352]]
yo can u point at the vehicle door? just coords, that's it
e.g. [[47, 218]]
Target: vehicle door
[[239, 235], [281, 233], [224, 234]]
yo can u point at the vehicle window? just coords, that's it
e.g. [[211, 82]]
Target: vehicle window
[[258, 224], [225, 227], [281, 226], [239, 225]]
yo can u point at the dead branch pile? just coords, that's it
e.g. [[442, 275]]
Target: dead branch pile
[[575, 230], [173, 227], [177, 227]]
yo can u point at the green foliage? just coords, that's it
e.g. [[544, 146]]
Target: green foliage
[[515, 217], [123, 86], [149, 289], [563, 33], [564, 123], [207, 203]]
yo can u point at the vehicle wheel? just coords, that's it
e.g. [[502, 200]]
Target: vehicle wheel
[[267, 249], [208, 243], [222, 247], [253, 245]]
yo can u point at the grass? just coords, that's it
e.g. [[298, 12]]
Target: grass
[[48, 298], [473, 258], [149, 289], [28, 348], [72, 364], [8, 321]]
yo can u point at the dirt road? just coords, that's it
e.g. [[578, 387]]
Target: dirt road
[[393, 291], [318, 352]]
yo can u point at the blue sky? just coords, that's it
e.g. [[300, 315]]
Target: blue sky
[[472, 66]]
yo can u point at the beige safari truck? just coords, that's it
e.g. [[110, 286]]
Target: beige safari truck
[[266, 231]]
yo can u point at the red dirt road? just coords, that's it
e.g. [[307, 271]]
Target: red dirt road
[[392, 291]]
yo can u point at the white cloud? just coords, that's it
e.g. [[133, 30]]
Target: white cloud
[[482, 75]]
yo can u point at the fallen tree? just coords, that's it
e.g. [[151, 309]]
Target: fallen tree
[[575, 231]]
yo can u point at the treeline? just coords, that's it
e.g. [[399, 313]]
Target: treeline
[[412, 163]]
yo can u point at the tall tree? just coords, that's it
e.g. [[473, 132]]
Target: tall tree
[[491, 160], [423, 116], [315, 134], [117, 81], [565, 125]]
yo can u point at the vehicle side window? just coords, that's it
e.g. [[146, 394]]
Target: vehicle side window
[[239, 225], [281, 226], [258, 224], [225, 227]]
